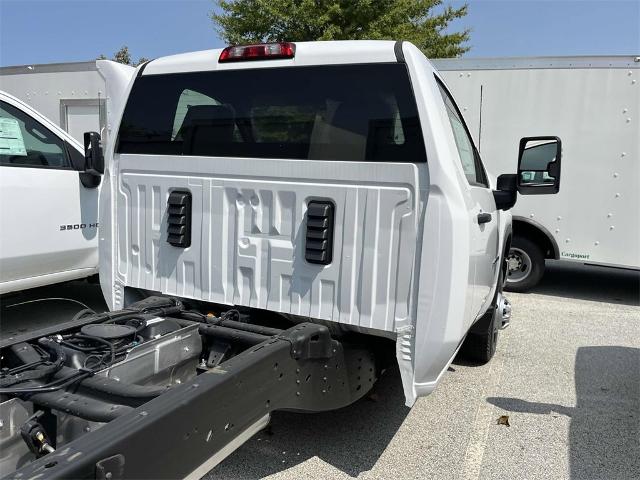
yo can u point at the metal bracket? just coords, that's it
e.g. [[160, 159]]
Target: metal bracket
[[309, 341], [110, 468]]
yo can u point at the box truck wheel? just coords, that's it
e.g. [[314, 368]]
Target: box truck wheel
[[525, 265]]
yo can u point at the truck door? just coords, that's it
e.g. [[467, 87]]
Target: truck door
[[48, 219], [488, 259], [483, 220]]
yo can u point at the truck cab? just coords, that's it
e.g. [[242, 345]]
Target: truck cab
[[333, 181]]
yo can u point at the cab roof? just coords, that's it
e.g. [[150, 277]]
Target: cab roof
[[306, 53]]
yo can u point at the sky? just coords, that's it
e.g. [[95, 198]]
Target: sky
[[46, 31]]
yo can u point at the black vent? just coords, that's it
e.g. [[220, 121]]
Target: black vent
[[319, 246], [179, 219]]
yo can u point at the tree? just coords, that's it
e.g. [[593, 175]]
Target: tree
[[255, 21], [123, 56]]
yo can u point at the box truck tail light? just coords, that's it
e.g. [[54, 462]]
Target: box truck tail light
[[263, 51]]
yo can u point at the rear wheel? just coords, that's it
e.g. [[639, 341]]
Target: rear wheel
[[525, 265]]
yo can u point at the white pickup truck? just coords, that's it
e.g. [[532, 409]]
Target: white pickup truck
[[48, 211], [278, 223]]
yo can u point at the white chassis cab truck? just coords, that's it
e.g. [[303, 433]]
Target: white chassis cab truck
[[49, 211], [278, 223]]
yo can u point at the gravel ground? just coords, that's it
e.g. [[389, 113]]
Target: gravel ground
[[566, 373]]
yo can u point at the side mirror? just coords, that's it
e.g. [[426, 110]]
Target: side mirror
[[93, 157], [539, 165], [507, 191]]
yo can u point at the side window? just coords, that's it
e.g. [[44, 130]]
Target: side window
[[24, 142], [470, 159]]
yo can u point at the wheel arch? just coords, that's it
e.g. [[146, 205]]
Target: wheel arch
[[537, 233]]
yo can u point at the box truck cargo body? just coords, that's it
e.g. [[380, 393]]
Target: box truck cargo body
[[593, 104], [72, 95]]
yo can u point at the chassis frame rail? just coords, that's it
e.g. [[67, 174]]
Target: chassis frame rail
[[192, 427]]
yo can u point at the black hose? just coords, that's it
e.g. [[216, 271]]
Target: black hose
[[119, 392], [231, 334], [108, 389], [77, 347], [232, 314], [230, 319], [194, 316], [251, 327], [49, 387], [83, 313], [108, 344]]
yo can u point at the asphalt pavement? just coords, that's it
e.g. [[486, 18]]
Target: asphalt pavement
[[566, 374]]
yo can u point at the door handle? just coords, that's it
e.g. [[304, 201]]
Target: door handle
[[484, 218]]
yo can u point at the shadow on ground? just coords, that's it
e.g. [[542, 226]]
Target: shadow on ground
[[605, 423], [35, 308], [590, 282], [350, 439]]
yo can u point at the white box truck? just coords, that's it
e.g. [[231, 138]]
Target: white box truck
[[71, 95], [278, 222], [593, 104], [49, 211]]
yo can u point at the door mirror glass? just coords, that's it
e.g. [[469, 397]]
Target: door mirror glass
[[539, 165], [94, 160]]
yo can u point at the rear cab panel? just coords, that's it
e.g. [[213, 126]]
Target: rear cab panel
[[400, 260]]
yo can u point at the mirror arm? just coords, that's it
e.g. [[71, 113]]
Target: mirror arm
[[507, 191], [94, 159], [505, 200]]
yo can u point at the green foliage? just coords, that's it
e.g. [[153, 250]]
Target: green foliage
[[254, 21], [123, 56]]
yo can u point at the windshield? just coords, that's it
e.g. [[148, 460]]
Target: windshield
[[344, 112]]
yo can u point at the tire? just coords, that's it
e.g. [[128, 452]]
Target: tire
[[525, 265], [482, 340]]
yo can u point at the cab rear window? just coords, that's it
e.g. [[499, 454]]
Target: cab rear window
[[348, 112]]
